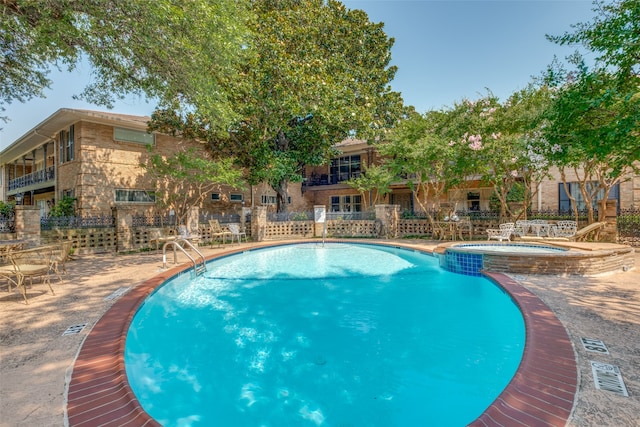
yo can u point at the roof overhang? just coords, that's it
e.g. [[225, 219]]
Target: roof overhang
[[63, 118]]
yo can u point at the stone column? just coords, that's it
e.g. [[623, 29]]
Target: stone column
[[124, 228], [610, 231], [193, 220], [389, 217], [258, 223], [27, 224], [319, 220]]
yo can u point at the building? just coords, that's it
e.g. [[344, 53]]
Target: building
[[95, 156], [326, 186]]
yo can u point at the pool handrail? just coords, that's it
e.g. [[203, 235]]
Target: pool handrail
[[179, 243]]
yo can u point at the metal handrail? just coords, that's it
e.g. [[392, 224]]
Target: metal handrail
[[179, 243]]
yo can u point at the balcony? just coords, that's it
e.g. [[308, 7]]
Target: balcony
[[315, 180], [33, 179]]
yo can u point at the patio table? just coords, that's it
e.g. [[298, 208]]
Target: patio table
[[539, 227]]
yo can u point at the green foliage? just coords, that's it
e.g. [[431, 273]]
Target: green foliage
[[168, 50], [496, 142], [614, 35], [185, 179], [516, 194], [7, 209], [314, 73], [376, 179], [595, 115], [64, 207]]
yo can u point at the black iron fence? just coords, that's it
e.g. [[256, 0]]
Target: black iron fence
[[629, 223], [99, 221], [153, 220], [7, 223]]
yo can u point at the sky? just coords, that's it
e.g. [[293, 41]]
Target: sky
[[445, 51]]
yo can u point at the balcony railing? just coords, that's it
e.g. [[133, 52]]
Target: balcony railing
[[37, 177]]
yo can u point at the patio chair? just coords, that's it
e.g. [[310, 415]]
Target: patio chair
[[465, 226], [218, 232], [186, 234], [235, 232], [159, 237], [60, 255], [502, 233], [29, 264], [521, 228]]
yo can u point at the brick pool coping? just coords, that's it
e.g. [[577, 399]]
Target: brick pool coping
[[542, 391]]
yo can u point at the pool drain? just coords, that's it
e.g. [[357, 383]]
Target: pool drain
[[608, 378], [74, 329]]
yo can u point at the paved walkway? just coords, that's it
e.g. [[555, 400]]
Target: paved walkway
[[35, 357]]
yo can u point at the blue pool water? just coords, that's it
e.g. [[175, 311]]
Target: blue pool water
[[333, 335]]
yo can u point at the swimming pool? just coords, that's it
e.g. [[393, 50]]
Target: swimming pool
[[323, 335]]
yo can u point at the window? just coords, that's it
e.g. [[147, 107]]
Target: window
[[344, 168], [215, 197], [135, 196], [266, 199], [236, 197], [66, 141], [67, 193], [346, 203], [473, 200], [135, 136], [564, 202]]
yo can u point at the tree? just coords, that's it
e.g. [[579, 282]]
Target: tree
[[595, 116], [375, 181], [593, 131], [315, 73], [185, 179], [418, 153], [494, 141], [180, 53], [614, 35]]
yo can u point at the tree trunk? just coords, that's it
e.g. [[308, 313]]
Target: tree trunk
[[282, 196]]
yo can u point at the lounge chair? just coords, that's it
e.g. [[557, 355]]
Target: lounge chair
[[235, 232], [579, 235], [502, 233], [564, 229], [218, 232]]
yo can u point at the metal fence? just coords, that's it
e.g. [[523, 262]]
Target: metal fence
[[289, 216], [153, 220], [7, 223], [629, 224], [99, 221]]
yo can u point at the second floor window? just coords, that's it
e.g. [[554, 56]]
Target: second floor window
[[344, 168], [66, 141], [134, 136]]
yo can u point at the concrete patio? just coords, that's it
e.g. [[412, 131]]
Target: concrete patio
[[36, 358]]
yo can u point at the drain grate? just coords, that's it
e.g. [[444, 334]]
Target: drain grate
[[608, 377], [74, 329], [116, 294], [595, 346]]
